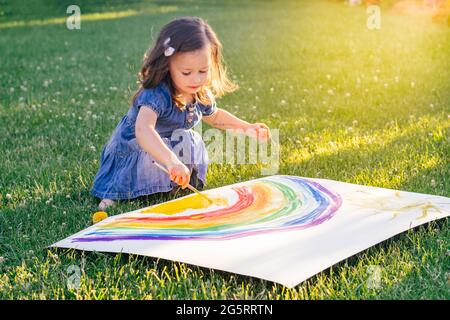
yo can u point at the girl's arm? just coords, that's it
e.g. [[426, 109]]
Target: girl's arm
[[150, 141], [222, 119]]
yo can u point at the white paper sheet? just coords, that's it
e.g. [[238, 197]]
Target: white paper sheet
[[280, 228]]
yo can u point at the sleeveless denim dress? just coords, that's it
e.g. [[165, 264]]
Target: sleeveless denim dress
[[127, 171]]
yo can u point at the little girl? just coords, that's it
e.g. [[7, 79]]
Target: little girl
[[179, 80]]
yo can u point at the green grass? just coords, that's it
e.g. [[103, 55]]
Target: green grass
[[360, 106]]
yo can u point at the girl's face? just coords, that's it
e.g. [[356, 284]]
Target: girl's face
[[189, 70]]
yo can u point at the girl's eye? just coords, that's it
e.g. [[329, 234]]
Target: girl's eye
[[188, 73]]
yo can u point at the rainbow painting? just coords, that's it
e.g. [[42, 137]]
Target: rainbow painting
[[280, 228]]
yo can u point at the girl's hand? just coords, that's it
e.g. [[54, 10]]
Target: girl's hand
[[261, 130], [180, 174]]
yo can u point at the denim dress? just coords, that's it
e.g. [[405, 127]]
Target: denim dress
[[127, 171]]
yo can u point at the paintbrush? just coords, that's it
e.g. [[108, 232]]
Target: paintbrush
[[188, 185]]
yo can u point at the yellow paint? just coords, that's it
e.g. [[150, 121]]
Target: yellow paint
[[424, 206], [194, 201], [385, 203]]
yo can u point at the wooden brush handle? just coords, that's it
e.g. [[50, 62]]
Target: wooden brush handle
[[166, 171]]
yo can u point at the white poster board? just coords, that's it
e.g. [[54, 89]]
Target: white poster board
[[279, 228]]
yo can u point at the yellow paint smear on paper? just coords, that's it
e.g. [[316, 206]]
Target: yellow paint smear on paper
[[194, 202]]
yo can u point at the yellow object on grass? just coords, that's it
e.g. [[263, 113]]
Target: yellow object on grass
[[99, 216]]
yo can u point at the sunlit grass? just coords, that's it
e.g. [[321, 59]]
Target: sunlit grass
[[359, 106], [87, 17]]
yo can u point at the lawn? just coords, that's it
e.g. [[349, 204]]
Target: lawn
[[370, 107]]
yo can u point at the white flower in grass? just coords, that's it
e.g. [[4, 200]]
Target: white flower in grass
[[329, 110], [254, 107], [250, 89], [413, 84], [396, 78], [11, 89], [92, 148], [349, 129], [431, 105], [283, 101], [307, 139], [23, 88], [91, 102], [46, 83], [113, 88], [73, 100], [8, 196], [108, 58], [375, 78], [305, 90], [355, 122], [348, 94], [291, 87], [256, 97], [330, 92], [386, 85], [328, 76], [2, 259], [433, 183], [272, 89]]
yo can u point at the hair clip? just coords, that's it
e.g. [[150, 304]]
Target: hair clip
[[169, 50]]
